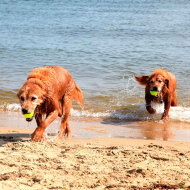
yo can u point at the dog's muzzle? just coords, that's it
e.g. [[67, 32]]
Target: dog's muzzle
[[30, 119]]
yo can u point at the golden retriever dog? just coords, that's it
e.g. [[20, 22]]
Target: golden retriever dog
[[165, 84], [49, 91]]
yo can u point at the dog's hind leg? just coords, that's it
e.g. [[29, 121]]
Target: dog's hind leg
[[67, 103], [68, 130], [64, 128], [60, 112], [174, 99]]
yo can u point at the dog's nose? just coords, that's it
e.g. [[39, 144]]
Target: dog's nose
[[24, 110], [155, 88]]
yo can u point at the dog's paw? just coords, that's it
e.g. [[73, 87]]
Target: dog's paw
[[38, 135], [165, 119]]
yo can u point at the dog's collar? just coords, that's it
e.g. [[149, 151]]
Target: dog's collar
[[161, 101]]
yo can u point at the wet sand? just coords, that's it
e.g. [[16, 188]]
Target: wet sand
[[94, 158], [87, 128]]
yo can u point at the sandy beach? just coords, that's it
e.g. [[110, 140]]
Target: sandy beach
[[116, 144], [94, 163], [101, 163]]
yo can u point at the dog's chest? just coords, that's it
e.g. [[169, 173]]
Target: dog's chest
[[157, 106]]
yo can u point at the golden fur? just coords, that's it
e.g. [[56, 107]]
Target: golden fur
[[165, 83], [49, 91]]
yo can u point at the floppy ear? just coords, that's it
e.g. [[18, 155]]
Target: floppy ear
[[142, 80], [18, 94], [166, 89], [167, 83]]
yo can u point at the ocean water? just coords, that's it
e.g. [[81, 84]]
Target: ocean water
[[102, 44]]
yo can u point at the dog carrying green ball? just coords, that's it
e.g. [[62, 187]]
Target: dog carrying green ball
[[153, 93], [29, 115], [160, 88], [51, 88]]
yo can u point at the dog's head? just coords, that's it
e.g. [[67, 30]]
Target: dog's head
[[154, 82], [31, 96]]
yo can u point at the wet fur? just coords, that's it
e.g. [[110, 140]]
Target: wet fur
[[55, 89], [167, 88]]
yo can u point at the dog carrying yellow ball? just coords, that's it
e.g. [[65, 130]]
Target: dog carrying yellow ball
[[29, 115], [153, 93]]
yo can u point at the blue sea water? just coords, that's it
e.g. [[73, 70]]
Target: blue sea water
[[102, 44]]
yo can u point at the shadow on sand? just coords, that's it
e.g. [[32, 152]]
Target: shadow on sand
[[14, 137]]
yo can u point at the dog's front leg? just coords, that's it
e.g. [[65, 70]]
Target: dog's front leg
[[38, 118], [148, 106], [38, 134], [167, 105], [150, 109]]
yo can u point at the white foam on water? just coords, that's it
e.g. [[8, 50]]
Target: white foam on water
[[88, 113], [139, 114], [135, 115], [176, 113], [180, 114], [11, 107]]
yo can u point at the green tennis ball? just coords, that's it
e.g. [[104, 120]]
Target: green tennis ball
[[153, 93], [29, 115]]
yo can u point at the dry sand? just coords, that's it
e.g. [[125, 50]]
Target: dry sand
[[100, 163]]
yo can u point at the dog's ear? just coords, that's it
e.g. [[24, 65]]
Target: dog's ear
[[167, 83], [142, 80], [166, 89], [18, 94]]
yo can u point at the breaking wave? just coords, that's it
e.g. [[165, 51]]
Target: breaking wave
[[135, 113]]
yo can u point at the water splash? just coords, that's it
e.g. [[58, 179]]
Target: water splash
[[10, 107], [48, 138]]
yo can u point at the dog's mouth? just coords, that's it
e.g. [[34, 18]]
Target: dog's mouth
[[31, 118], [158, 95]]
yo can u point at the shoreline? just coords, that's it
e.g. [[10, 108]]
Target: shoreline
[[88, 128], [17, 134]]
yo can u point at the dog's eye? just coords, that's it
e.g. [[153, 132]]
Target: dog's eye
[[22, 98], [151, 81], [159, 81], [33, 98]]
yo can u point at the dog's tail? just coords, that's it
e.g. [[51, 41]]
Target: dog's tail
[[78, 95]]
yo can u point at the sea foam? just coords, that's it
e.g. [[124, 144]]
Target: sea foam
[[176, 113]]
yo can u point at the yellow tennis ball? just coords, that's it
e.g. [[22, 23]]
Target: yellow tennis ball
[[153, 93], [29, 115]]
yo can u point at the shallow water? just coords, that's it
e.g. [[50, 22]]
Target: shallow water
[[102, 44], [91, 128]]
